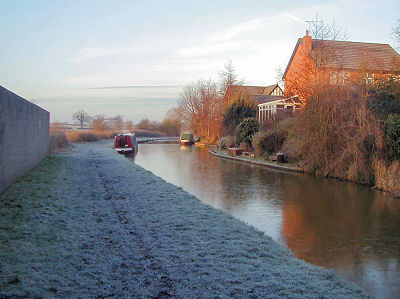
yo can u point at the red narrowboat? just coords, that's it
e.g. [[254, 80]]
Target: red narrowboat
[[125, 143]]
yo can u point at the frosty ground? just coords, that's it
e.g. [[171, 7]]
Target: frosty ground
[[90, 223]]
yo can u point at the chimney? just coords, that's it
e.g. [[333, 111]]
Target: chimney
[[307, 43]]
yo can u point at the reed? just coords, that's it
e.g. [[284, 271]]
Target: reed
[[387, 176], [332, 135]]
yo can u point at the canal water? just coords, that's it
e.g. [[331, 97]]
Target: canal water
[[338, 225]]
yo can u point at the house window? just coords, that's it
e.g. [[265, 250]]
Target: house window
[[333, 79], [368, 78], [339, 78], [345, 77]]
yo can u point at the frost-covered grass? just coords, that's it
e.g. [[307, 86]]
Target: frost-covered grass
[[91, 223]]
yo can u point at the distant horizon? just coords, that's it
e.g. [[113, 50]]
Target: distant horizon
[[131, 108]]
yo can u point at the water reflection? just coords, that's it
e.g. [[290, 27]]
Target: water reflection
[[338, 225], [131, 156], [346, 227]]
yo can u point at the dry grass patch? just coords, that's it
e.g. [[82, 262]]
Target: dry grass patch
[[387, 177], [58, 140], [88, 136]]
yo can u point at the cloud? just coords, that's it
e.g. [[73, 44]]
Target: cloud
[[238, 37], [236, 30], [256, 46], [295, 18]]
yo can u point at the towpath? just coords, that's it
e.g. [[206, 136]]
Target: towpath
[[90, 223]]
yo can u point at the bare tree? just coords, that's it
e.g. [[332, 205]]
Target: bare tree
[[319, 29], [396, 36], [173, 113], [147, 124], [279, 71], [170, 126], [81, 116], [100, 123], [117, 123], [130, 125], [200, 109], [228, 77]]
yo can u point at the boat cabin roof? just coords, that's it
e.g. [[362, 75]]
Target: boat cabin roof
[[128, 134]]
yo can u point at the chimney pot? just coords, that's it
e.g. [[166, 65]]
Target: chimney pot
[[307, 42]]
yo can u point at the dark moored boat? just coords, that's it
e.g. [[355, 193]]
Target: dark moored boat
[[125, 143], [187, 139]]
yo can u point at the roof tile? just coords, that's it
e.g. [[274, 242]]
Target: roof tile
[[355, 55]]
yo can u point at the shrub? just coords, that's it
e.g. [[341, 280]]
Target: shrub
[[392, 136], [369, 145], [384, 99], [240, 107], [246, 147], [170, 127], [58, 141], [244, 131], [268, 142], [335, 135], [225, 142], [76, 136]]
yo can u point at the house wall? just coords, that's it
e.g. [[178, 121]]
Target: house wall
[[301, 72], [277, 91], [355, 77], [24, 136]]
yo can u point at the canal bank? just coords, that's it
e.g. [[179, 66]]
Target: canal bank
[[92, 224], [254, 161]]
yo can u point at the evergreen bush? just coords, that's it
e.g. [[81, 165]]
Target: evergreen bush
[[392, 136], [225, 142], [384, 99], [268, 142], [246, 129], [240, 107]]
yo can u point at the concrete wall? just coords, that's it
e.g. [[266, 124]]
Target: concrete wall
[[24, 136]]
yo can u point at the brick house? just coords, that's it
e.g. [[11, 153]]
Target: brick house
[[331, 62], [259, 94]]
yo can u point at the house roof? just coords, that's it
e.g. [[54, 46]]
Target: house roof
[[259, 99], [356, 55], [256, 90], [269, 89], [352, 55], [294, 100]]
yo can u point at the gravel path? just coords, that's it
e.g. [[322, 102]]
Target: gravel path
[[92, 224]]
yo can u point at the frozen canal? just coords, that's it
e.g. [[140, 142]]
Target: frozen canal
[[87, 224], [338, 225]]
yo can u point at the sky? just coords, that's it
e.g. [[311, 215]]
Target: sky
[[132, 58]]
